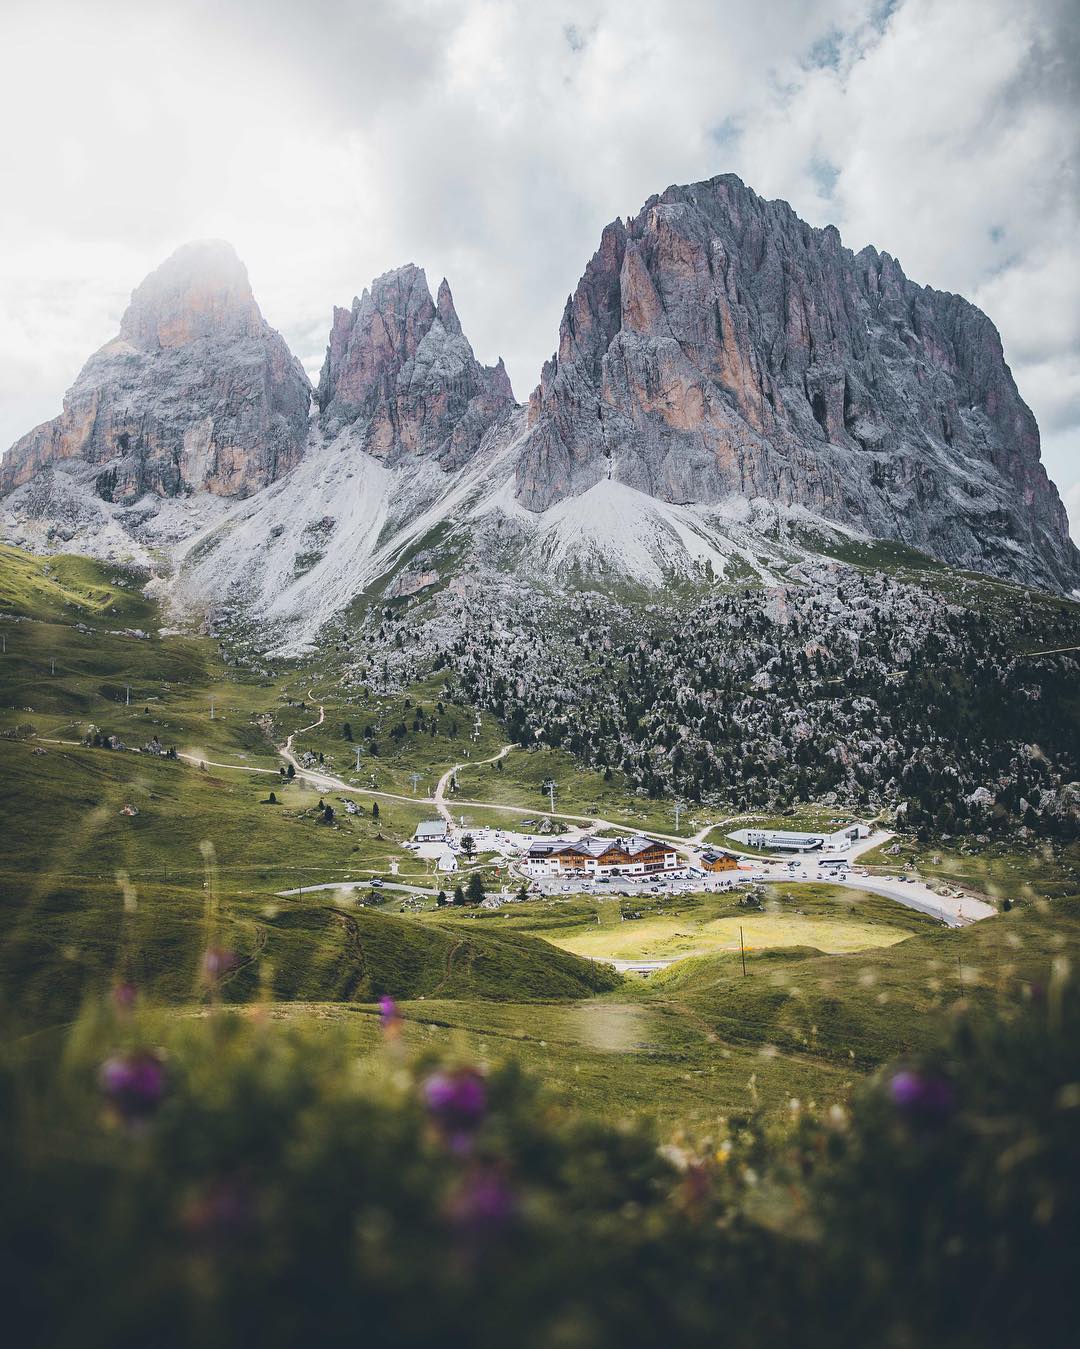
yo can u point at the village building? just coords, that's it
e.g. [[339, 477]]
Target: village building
[[431, 831], [786, 840], [589, 856], [716, 859]]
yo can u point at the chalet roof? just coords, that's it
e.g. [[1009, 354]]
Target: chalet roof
[[716, 855], [590, 846]]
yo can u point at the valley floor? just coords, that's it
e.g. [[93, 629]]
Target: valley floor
[[261, 840]]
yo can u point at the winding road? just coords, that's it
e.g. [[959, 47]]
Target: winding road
[[954, 911]]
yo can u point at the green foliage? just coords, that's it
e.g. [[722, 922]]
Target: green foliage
[[221, 1181]]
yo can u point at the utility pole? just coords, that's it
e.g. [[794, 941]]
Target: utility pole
[[211, 709], [549, 787], [742, 951], [358, 758], [678, 812], [52, 664], [414, 778], [127, 695]]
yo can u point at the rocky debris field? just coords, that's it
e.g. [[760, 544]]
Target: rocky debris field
[[838, 685]]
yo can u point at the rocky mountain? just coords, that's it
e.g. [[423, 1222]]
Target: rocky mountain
[[734, 393], [401, 373], [718, 347], [197, 392]]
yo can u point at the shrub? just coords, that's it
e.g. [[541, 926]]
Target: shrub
[[225, 1181]]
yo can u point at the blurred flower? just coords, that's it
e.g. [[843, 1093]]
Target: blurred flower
[[923, 1097], [695, 1186], [133, 1084], [220, 1210], [217, 961], [457, 1099], [389, 1016], [123, 996], [484, 1202]]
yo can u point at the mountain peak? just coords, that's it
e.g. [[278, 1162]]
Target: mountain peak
[[445, 307], [401, 378], [202, 290], [717, 346], [196, 392]]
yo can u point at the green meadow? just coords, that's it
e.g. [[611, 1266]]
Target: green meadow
[[122, 865]]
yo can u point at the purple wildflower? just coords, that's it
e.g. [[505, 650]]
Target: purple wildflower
[[218, 961], [221, 1210], [389, 1016], [133, 1084], [923, 1097], [483, 1203], [123, 996], [457, 1099]]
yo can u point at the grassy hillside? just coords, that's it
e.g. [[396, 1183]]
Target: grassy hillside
[[129, 865], [90, 892], [120, 865], [873, 1005], [71, 589], [663, 927]]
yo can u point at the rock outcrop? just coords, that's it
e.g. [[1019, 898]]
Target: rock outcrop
[[401, 376], [197, 392], [717, 345]]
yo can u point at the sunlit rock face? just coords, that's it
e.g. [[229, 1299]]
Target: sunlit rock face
[[401, 377], [717, 345], [197, 392]]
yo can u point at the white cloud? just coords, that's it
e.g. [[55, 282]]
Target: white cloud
[[1072, 505], [492, 141]]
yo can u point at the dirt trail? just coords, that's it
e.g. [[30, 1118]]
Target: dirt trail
[[439, 798]]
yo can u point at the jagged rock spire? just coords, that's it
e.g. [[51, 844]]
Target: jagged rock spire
[[400, 378]]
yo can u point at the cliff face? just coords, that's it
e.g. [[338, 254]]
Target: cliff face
[[718, 345], [196, 392], [401, 374]]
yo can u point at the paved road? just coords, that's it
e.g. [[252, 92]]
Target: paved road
[[357, 885], [916, 895]]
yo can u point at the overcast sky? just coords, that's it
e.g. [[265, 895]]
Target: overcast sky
[[331, 140]]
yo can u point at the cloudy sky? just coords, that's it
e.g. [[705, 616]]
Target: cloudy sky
[[491, 140]]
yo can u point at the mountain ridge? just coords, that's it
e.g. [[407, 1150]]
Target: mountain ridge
[[732, 389], [718, 345]]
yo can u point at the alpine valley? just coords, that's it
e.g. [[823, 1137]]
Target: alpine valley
[[772, 527], [469, 864]]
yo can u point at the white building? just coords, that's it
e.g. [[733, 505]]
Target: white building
[[786, 840], [432, 831]]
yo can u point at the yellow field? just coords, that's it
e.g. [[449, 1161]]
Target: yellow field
[[673, 938]]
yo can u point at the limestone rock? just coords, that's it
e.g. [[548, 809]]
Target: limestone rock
[[197, 392], [401, 376], [718, 346]]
